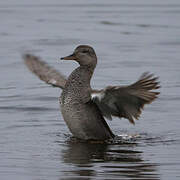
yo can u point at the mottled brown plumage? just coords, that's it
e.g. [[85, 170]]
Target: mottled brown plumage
[[82, 107]]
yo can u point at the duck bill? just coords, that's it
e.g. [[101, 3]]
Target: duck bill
[[70, 57]]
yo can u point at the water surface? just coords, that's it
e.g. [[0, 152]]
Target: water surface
[[129, 38]]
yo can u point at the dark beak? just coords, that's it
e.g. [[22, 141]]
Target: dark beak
[[70, 57]]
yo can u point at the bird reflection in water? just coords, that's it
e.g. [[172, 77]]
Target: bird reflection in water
[[119, 161]]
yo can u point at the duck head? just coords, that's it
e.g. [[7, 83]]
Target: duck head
[[84, 55]]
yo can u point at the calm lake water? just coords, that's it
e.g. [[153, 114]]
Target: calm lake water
[[130, 37]]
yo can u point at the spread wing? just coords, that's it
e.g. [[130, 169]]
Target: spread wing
[[126, 101], [44, 71]]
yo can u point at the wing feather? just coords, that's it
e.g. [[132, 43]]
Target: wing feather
[[44, 71], [127, 101]]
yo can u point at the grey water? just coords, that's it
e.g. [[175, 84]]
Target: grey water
[[130, 37]]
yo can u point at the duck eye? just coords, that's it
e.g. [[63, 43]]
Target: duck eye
[[85, 51]]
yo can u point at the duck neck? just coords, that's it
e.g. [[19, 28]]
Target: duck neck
[[82, 76], [89, 70]]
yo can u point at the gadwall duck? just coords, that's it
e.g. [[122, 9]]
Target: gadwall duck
[[84, 109]]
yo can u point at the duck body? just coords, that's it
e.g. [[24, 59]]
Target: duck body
[[81, 115], [84, 108]]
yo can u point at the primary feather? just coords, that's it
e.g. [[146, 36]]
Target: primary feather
[[126, 101], [44, 71]]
